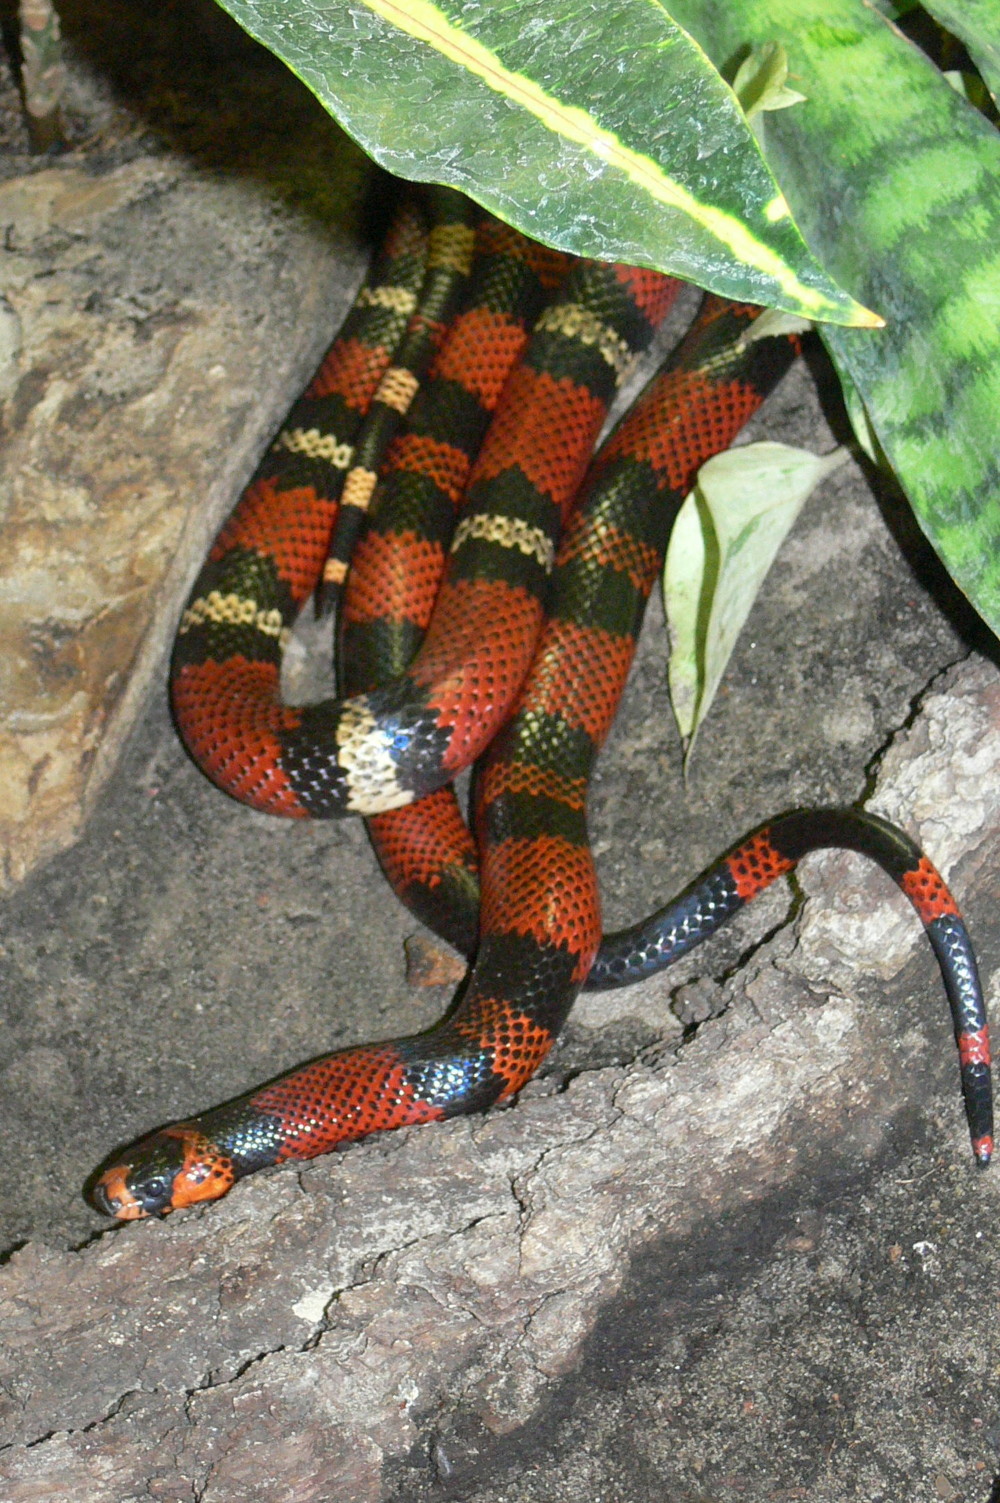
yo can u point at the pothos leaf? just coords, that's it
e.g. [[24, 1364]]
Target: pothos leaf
[[723, 543]]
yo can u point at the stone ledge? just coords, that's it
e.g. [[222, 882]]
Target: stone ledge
[[292, 1338]]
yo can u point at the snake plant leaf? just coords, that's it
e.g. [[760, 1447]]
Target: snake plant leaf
[[977, 24], [896, 180], [724, 541], [601, 128]]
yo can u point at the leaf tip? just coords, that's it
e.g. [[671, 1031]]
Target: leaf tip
[[866, 318], [850, 315]]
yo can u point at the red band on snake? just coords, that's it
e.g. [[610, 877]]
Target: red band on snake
[[541, 660]]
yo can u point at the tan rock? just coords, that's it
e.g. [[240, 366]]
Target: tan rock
[[155, 321]]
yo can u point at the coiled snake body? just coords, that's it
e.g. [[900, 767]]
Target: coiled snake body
[[491, 612]]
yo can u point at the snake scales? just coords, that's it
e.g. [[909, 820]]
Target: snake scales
[[498, 579]]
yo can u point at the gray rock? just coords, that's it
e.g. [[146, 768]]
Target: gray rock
[[300, 1333]]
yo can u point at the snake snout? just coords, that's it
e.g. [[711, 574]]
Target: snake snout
[[113, 1195], [144, 1181]]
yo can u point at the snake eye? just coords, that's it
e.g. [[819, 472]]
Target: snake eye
[[154, 1191]]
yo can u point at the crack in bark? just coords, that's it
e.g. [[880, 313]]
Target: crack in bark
[[113, 1410], [218, 1379], [915, 709]]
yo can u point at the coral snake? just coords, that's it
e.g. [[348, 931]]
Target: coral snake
[[498, 579]]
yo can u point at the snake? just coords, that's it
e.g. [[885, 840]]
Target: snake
[[499, 573]]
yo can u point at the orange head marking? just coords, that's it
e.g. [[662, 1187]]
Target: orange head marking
[[114, 1197], [175, 1167]]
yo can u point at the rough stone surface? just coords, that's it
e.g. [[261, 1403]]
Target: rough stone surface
[[156, 317], [291, 1339], [729, 1245]]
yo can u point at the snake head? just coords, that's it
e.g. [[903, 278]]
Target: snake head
[[174, 1167]]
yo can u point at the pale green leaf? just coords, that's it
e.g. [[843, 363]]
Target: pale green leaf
[[977, 24], [857, 414], [689, 573], [970, 86], [774, 323], [724, 541], [760, 82]]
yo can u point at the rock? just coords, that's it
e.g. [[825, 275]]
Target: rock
[[940, 781], [326, 1323], [290, 1339], [157, 319]]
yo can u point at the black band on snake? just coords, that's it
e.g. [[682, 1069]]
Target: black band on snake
[[491, 612]]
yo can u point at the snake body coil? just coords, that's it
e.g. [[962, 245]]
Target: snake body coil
[[521, 653]]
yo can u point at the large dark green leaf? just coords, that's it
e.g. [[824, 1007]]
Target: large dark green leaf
[[896, 182], [598, 127]]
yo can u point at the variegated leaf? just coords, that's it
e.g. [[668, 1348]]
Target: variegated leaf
[[600, 128]]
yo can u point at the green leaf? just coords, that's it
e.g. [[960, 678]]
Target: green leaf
[[896, 181], [857, 413], [895, 8], [760, 82], [970, 86], [600, 128], [773, 323], [977, 24], [723, 543]]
